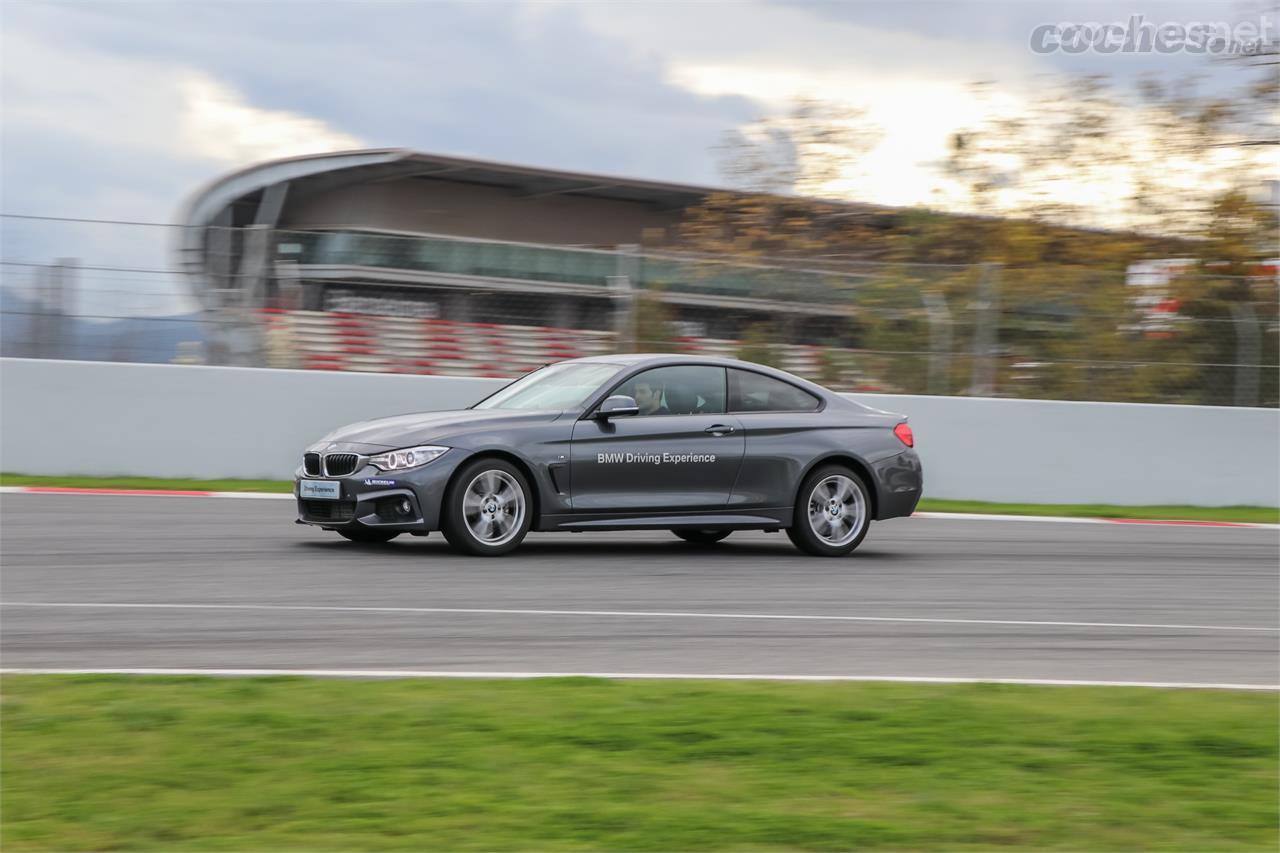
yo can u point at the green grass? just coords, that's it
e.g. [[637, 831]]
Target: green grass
[[1257, 514], [167, 763]]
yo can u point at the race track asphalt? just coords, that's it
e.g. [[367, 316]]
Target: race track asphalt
[[242, 587]]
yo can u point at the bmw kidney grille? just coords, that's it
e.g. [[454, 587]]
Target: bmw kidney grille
[[340, 464]]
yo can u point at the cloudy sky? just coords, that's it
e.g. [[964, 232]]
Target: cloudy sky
[[119, 110]]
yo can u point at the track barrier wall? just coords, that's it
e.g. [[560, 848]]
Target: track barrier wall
[[112, 419]]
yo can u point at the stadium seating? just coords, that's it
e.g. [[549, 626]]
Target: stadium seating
[[331, 340], [317, 340]]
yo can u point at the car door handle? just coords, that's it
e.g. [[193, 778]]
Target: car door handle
[[719, 429]]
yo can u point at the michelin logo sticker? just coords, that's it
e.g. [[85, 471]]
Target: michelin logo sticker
[[379, 482], [653, 458]]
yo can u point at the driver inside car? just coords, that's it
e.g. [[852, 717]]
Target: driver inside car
[[649, 398]]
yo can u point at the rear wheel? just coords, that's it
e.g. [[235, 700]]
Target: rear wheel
[[702, 537], [488, 509], [369, 536], [832, 513]]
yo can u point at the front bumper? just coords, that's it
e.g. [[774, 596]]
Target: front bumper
[[379, 499]]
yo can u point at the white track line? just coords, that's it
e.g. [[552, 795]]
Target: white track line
[[982, 516], [665, 676], [1067, 519], [945, 516], [627, 614]]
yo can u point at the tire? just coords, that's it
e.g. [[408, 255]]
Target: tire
[[702, 537], [833, 512], [488, 508], [368, 536]]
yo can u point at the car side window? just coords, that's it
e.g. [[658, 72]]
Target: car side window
[[677, 390], [755, 392]]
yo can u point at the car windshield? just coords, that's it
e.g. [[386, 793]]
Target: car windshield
[[560, 386]]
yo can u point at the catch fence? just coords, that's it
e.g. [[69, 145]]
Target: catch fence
[[438, 304]]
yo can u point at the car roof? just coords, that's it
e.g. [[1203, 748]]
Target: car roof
[[629, 359], [657, 359]]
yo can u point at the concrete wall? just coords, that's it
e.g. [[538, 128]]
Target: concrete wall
[[63, 417], [1049, 451], [163, 420]]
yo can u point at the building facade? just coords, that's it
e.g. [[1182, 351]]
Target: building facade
[[421, 235]]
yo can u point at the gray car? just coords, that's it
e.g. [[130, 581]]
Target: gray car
[[697, 446]]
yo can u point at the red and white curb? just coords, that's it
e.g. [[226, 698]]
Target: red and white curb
[[142, 493], [947, 516]]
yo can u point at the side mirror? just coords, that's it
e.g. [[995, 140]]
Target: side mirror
[[617, 406]]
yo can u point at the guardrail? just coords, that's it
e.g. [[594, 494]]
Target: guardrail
[[104, 419]]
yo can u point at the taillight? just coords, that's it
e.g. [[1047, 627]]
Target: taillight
[[903, 432]]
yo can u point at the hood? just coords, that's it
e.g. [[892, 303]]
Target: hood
[[428, 427]]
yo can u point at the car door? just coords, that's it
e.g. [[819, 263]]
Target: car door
[[681, 453]]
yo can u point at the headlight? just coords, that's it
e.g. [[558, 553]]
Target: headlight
[[409, 457]]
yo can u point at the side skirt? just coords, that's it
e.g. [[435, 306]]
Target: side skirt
[[759, 519]]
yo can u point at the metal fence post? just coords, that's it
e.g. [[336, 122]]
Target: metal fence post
[[255, 249], [986, 336], [1248, 353], [935, 306], [623, 287], [624, 312]]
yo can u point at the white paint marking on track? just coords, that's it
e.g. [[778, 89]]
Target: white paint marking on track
[[983, 516], [945, 516], [659, 676], [1067, 519], [628, 614]]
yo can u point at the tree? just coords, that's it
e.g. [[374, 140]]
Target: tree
[[758, 344], [784, 169], [805, 151], [652, 322], [1177, 163], [1160, 154]]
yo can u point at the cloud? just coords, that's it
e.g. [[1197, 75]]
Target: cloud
[[94, 133], [1005, 26], [120, 111], [218, 125], [910, 65], [913, 82], [525, 83]]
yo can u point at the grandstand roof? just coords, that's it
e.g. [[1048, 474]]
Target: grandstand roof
[[344, 167]]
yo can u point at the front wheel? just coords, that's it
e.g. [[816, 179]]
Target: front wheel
[[702, 537], [832, 513], [488, 509], [369, 536]]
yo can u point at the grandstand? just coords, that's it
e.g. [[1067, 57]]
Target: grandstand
[[457, 252], [339, 340]]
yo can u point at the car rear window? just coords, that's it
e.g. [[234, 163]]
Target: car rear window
[[755, 392]]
